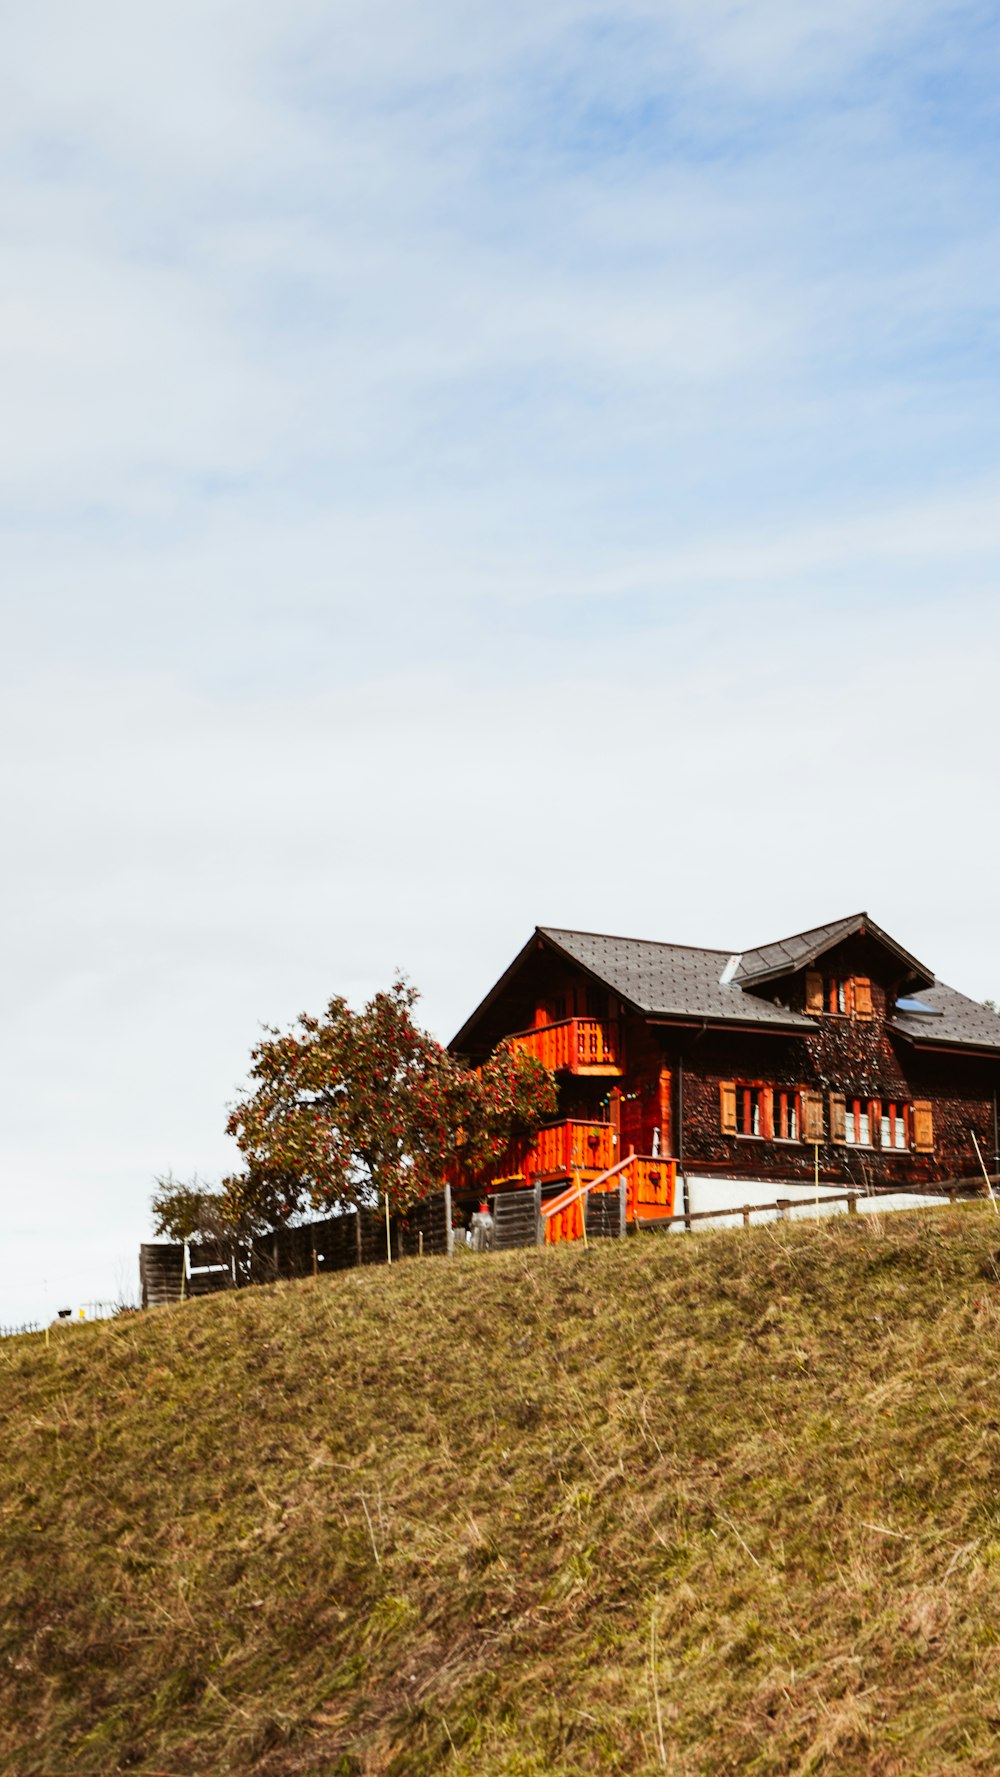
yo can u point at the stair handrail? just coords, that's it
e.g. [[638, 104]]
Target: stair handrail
[[573, 1194]]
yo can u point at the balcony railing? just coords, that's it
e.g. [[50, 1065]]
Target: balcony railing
[[574, 1046], [556, 1152], [564, 1146]]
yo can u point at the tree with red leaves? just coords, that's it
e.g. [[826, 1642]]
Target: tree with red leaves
[[357, 1107]]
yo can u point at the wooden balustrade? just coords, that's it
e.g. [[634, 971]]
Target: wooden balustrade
[[557, 1151], [564, 1146], [651, 1183], [574, 1046]]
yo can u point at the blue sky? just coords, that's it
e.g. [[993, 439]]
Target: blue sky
[[468, 467]]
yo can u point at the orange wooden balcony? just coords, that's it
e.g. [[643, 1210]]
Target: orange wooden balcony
[[557, 1151], [562, 1147], [574, 1046]]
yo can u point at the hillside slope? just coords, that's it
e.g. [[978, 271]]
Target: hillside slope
[[719, 1504]]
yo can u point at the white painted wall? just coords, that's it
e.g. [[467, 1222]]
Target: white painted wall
[[723, 1193]]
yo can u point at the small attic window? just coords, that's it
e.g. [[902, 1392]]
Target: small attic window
[[838, 996]]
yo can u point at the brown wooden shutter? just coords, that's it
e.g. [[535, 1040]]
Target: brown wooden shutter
[[814, 991], [767, 1112], [838, 1117], [923, 1126], [727, 1106], [862, 997], [812, 1116]]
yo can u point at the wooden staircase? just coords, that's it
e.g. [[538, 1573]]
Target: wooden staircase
[[641, 1186], [588, 1208]]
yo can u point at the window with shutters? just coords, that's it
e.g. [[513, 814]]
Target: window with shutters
[[839, 996], [894, 1128], [785, 1115], [767, 1113], [871, 1122], [753, 1110], [859, 1116]]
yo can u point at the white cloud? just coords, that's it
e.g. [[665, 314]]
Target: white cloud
[[468, 466]]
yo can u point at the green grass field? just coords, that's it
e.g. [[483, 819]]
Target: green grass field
[[726, 1503]]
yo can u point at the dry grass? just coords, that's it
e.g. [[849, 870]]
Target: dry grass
[[712, 1505]]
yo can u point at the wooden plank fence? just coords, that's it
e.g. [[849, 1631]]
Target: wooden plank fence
[[337, 1243], [359, 1237]]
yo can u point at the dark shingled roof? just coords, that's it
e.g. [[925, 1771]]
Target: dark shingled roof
[[788, 954], [963, 1023], [678, 981], [670, 980]]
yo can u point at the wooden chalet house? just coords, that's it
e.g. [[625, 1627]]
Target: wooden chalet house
[[834, 1048]]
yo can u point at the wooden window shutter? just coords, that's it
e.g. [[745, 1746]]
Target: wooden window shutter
[[814, 991], [862, 997], [812, 1116], [727, 1106], [838, 1117], [767, 1112], [923, 1126]]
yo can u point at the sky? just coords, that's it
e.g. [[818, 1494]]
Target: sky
[[462, 468]]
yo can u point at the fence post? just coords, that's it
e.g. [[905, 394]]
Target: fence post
[[622, 1206], [852, 1203], [449, 1232], [952, 1195], [420, 1243], [782, 1205], [746, 1215], [539, 1225]]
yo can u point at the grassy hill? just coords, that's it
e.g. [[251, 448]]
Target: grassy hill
[[705, 1505]]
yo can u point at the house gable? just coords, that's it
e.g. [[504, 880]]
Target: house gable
[[788, 957], [543, 985]]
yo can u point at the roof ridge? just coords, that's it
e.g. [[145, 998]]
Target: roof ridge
[[822, 926], [623, 938]]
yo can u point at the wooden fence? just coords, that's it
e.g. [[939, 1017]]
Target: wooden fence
[[358, 1237], [949, 1191]]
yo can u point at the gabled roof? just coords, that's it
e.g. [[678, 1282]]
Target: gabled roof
[[772, 961], [678, 982], [670, 980]]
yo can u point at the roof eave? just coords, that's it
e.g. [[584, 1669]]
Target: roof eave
[[457, 1043], [950, 1045], [716, 1021]]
